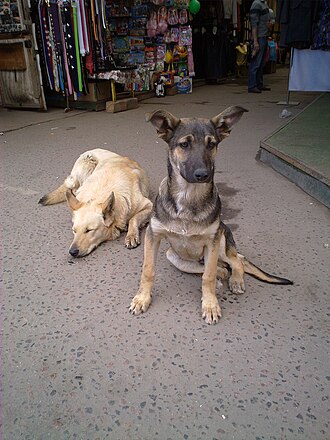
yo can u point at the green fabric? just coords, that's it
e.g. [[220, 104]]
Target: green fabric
[[76, 40]]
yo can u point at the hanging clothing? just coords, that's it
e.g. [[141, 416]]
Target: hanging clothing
[[230, 10], [217, 50], [297, 19], [73, 42], [321, 37], [310, 71]]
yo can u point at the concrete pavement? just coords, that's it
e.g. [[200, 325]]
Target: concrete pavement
[[77, 365]]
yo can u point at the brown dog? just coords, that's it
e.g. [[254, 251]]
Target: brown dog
[[107, 193], [187, 212]]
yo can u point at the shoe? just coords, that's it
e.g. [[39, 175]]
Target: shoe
[[265, 89], [254, 90]]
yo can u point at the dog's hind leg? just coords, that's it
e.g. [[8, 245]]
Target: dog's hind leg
[[132, 239], [195, 267], [184, 265], [83, 167], [228, 254], [210, 305], [236, 280]]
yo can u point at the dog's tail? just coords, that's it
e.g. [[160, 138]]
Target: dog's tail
[[56, 196], [258, 273]]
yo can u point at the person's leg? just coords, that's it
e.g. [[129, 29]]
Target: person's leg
[[254, 67], [252, 79], [263, 46]]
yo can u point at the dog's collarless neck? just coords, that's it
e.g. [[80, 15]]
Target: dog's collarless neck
[[195, 202]]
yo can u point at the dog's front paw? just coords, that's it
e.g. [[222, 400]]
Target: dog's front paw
[[222, 273], [236, 286], [114, 233], [132, 241], [139, 304], [211, 311]]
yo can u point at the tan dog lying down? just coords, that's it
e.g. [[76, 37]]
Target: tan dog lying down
[[107, 193]]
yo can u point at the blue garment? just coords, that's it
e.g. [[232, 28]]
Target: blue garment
[[257, 64], [272, 51]]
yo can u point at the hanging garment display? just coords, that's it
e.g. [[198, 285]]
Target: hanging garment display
[[310, 71], [73, 42], [81, 40], [321, 37], [297, 19]]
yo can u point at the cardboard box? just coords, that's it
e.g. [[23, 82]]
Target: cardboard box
[[170, 91]]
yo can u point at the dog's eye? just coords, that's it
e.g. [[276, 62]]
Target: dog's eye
[[184, 145], [88, 230], [212, 145]]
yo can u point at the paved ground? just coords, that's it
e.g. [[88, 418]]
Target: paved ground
[[77, 365]]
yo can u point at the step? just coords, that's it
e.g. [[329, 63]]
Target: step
[[122, 105]]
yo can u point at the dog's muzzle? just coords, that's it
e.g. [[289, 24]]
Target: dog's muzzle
[[74, 252], [201, 175]]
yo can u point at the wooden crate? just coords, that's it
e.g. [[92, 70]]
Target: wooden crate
[[98, 91]]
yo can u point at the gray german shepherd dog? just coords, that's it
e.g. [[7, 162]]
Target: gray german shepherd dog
[[187, 212]]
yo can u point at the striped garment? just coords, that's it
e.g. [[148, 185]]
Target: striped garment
[[260, 16]]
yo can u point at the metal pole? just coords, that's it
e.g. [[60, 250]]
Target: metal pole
[[290, 65]]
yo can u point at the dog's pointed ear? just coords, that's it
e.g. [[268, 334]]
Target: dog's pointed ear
[[225, 120], [164, 122], [107, 207], [72, 200]]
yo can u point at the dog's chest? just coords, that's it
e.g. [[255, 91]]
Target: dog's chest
[[187, 239], [188, 247]]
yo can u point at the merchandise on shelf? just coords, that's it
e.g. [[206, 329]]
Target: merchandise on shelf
[[183, 84], [159, 36]]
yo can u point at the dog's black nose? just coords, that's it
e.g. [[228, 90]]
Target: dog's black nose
[[201, 174], [74, 252]]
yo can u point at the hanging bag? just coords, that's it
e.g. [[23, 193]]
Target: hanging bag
[[183, 16], [152, 25], [162, 23], [173, 18], [167, 36], [175, 33]]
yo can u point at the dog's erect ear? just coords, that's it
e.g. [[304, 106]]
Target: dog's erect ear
[[164, 122], [107, 208], [225, 120], [72, 200]]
